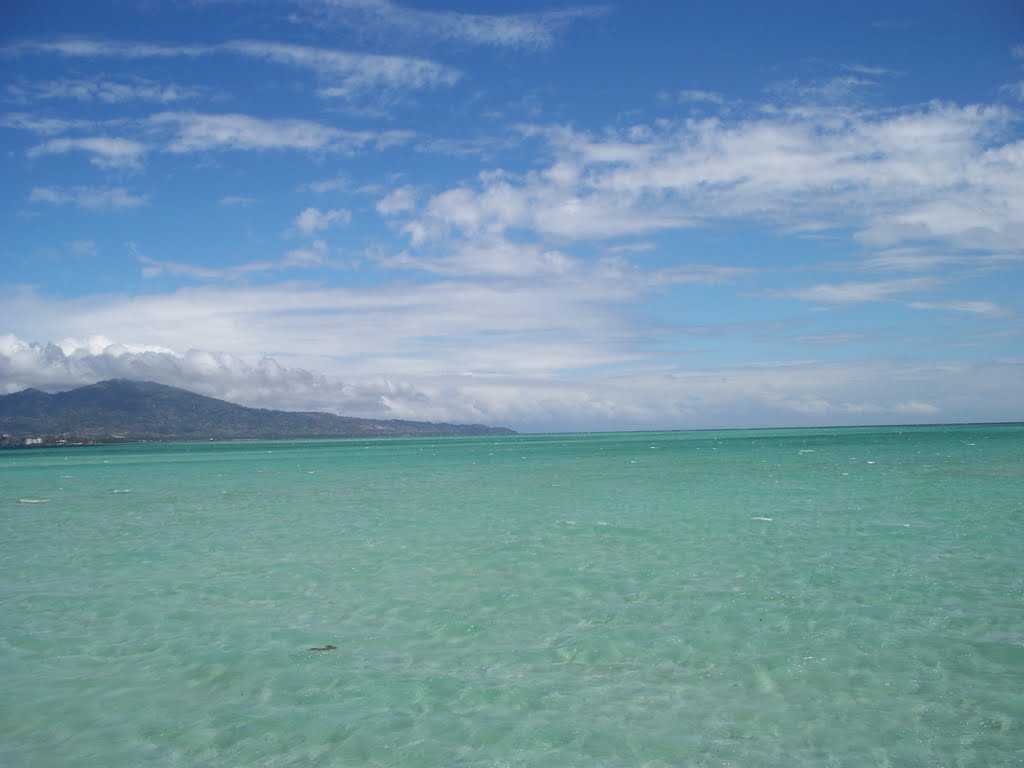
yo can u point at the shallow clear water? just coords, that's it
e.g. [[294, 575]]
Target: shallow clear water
[[845, 597]]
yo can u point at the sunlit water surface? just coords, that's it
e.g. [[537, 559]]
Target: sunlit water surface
[[849, 597]]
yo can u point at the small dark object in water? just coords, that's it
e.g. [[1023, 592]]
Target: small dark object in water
[[325, 648]]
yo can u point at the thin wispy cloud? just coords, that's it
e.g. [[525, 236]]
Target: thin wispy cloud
[[105, 152], [98, 198], [237, 201], [345, 74], [524, 30], [103, 90], [315, 255], [152, 268], [195, 132], [188, 132], [987, 308], [859, 292], [337, 184], [83, 247], [341, 73], [697, 95], [868, 71], [110, 49], [42, 125]]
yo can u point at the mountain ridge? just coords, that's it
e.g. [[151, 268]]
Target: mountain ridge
[[126, 409]]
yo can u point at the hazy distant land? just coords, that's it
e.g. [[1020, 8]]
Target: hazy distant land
[[121, 409]]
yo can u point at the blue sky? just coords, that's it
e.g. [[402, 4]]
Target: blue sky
[[625, 215]]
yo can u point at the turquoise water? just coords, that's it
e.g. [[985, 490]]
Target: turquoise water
[[850, 597]]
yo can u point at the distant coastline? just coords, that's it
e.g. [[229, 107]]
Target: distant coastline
[[127, 411]]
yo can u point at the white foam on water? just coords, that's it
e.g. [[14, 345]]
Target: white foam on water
[[33, 501], [766, 519]]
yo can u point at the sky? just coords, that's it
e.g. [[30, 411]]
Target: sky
[[636, 214]]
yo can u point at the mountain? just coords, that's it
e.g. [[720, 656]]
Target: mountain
[[144, 410]]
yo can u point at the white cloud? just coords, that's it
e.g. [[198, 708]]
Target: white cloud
[[199, 132], [342, 73], [195, 132], [347, 74], [106, 152], [526, 30], [91, 48], [237, 201], [524, 328], [88, 197], [987, 308], [863, 69], [832, 91], [397, 201], [155, 268], [313, 256], [697, 95], [857, 292], [313, 220], [45, 126], [862, 392], [337, 184], [497, 257], [104, 90], [939, 173], [184, 132]]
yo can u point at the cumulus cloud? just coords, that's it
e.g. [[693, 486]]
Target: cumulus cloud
[[940, 173], [313, 220], [397, 201]]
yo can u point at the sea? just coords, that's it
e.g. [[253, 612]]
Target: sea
[[802, 597]]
